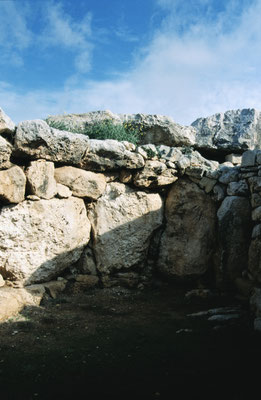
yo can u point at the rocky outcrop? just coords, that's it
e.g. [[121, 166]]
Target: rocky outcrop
[[123, 221], [39, 239], [188, 242], [36, 140], [85, 184], [232, 131]]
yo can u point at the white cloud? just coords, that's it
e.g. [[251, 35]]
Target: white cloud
[[195, 67]]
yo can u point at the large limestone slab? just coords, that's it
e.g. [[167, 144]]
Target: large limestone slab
[[6, 124], [157, 129], [40, 178], [82, 183], [39, 239], [110, 154], [234, 232], [35, 140], [123, 220], [187, 243], [232, 131], [12, 185]]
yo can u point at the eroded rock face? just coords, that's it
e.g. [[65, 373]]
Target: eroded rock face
[[104, 155], [155, 174], [12, 185], [39, 239], [235, 130], [188, 242], [234, 231], [6, 124], [35, 140], [40, 177], [82, 183], [5, 153], [123, 220]]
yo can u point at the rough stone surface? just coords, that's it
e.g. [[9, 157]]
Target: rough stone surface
[[63, 192], [5, 153], [254, 259], [239, 188], [12, 185], [234, 231], [39, 239], [235, 159], [35, 139], [248, 158], [6, 124], [82, 183], [157, 129], [123, 220], [187, 243], [229, 175], [154, 174], [2, 281], [40, 179], [232, 131], [104, 155]]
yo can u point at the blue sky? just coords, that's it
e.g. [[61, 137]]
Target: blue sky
[[182, 58]]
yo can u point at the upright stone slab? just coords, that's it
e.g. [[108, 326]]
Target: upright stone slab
[[234, 233], [188, 241], [39, 239], [123, 221]]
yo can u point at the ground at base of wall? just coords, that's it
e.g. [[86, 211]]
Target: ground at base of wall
[[123, 343]]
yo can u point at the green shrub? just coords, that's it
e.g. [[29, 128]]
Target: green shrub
[[103, 130]]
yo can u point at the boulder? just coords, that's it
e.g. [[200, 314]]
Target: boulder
[[187, 244], [123, 220], [155, 129], [5, 153], [234, 233], [155, 174], [40, 179], [39, 239], [232, 131], [12, 185], [104, 155], [82, 183], [6, 124], [35, 140]]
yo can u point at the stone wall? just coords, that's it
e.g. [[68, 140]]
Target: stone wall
[[108, 212]]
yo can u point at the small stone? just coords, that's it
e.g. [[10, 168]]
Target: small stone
[[63, 192], [255, 184], [248, 158], [6, 124], [219, 192], [32, 197], [129, 146], [55, 287], [256, 214], [12, 185], [125, 176], [235, 159], [207, 184], [40, 179], [239, 188]]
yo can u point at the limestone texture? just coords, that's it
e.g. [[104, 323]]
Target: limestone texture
[[39, 239], [187, 244], [123, 220], [155, 174], [6, 124], [40, 179], [5, 153], [12, 185]]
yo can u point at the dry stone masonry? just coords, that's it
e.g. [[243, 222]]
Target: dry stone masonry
[[184, 203]]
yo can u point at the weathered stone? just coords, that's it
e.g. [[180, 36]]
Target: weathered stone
[[235, 159], [129, 146], [40, 179], [104, 155], [256, 214], [207, 184], [187, 243], [63, 192], [255, 200], [246, 175], [248, 158], [155, 129], [35, 140], [255, 184], [154, 174], [229, 175], [6, 124], [125, 176], [232, 131], [258, 157], [239, 188], [39, 239], [85, 281], [54, 288], [32, 197], [234, 232], [256, 231], [87, 264], [12, 185], [148, 151], [123, 220], [5, 153], [172, 154], [82, 183], [219, 192]]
